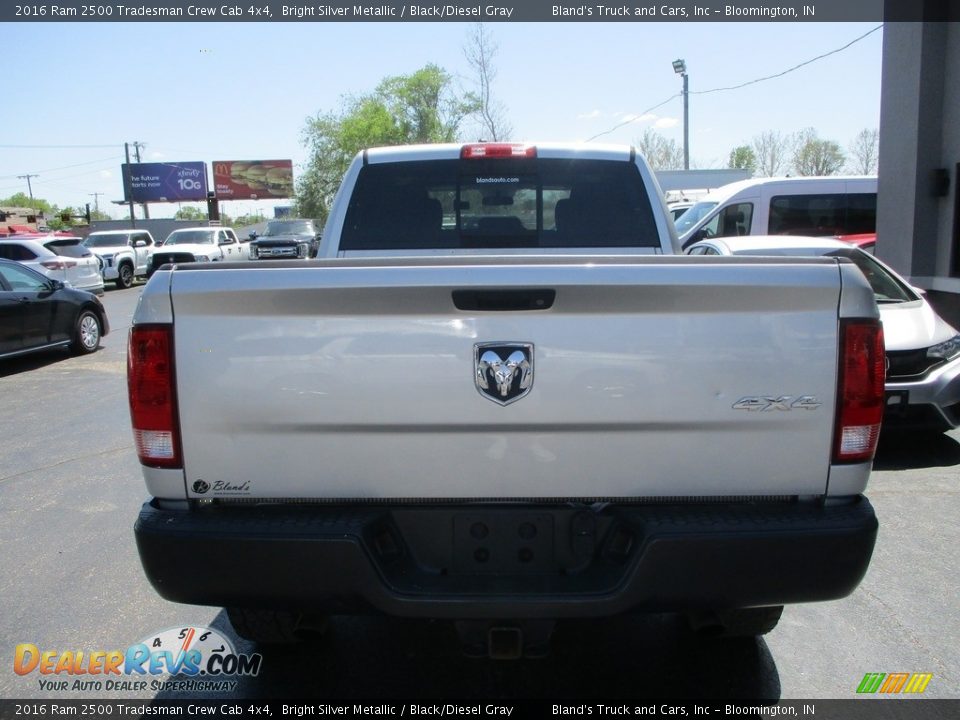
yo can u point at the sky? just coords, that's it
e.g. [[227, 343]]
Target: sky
[[243, 91]]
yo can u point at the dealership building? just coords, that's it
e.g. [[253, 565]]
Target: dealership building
[[918, 205]]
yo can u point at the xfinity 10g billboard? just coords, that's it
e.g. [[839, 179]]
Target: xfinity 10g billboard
[[164, 182]]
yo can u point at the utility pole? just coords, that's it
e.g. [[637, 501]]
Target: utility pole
[[96, 200], [129, 188], [136, 149], [27, 178]]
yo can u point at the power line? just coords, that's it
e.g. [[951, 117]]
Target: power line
[[56, 147], [741, 85], [789, 70], [67, 167], [634, 118]]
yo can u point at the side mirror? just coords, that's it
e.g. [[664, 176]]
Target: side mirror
[[253, 235], [919, 291], [140, 243], [56, 285]]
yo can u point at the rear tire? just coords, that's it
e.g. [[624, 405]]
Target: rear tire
[[742, 622], [86, 333], [124, 276], [266, 627]]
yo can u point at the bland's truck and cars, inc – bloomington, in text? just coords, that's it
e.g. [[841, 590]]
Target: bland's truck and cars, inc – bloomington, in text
[[501, 397]]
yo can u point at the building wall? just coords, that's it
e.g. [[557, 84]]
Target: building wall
[[919, 141]]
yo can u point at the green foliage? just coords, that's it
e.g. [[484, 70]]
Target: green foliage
[[52, 213], [813, 156], [743, 158], [246, 220], [191, 213], [23, 200], [404, 109]]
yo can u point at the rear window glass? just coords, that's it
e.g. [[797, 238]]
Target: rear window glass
[[502, 203], [68, 248], [13, 251]]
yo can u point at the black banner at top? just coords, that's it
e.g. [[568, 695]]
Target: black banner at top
[[79, 11]]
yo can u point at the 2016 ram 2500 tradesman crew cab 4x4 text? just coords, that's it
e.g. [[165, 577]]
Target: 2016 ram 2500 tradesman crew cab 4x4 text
[[500, 398]]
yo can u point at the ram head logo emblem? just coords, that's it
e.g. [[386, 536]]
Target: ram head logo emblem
[[503, 371]]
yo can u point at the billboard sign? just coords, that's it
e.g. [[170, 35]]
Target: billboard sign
[[164, 182], [252, 179]]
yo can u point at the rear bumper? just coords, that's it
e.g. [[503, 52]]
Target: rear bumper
[[493, 561]]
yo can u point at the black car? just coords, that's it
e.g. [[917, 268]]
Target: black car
[[285, 239], [37, 313]]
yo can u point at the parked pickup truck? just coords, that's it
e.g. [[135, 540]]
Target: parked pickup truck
[[501, 398], [198, 244], [285, 239], [125, 254]]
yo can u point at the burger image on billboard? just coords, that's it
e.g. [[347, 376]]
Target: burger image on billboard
[[237, 171], [255, 177], [279, 181]]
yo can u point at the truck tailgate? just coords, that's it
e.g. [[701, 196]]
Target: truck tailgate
[[657, 377]]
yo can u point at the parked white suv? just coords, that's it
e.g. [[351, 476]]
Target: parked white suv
[[59, 258], [125, 254]]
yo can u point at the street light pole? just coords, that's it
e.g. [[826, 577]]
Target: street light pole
[[680, 67]]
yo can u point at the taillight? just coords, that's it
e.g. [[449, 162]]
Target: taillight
[[58, 264], [153, 398], [497, 150], [860, 391]]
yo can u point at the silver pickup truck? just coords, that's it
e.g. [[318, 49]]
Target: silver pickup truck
[[500, 398]]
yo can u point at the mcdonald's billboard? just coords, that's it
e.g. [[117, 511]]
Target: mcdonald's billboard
[[252, 179]]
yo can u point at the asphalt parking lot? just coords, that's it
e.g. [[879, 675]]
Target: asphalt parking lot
[[70, 489]]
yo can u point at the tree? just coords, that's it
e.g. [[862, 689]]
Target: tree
[[246, 220], [191, 213], [22, 200], [770, 149], [662, 154], [743, 158], [417, 108], [480, 51], [865, 152], [813, 156]]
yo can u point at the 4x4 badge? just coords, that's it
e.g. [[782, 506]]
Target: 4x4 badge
[[503, 371]]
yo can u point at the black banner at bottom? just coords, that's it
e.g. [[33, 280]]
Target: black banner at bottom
[[855, 709]]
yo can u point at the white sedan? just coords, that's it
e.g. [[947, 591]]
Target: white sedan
[[923, 350]]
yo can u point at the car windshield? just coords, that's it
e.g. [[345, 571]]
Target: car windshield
[[190, 237], [694, 215], [289, 227], [887, 288], [68, 247], [96, 240]]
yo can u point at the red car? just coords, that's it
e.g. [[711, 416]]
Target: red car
[[864, 241]]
